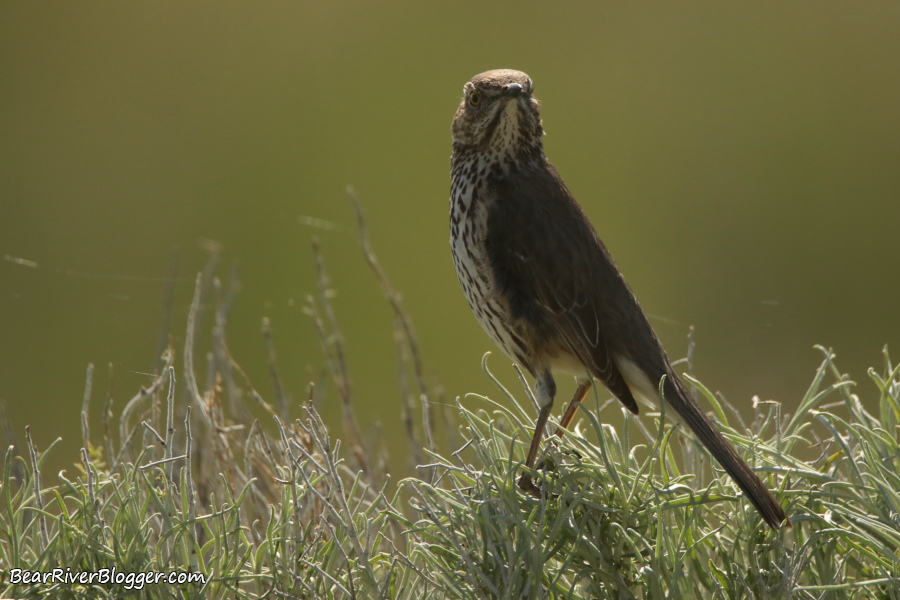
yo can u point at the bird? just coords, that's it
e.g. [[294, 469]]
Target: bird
[[543, 285]]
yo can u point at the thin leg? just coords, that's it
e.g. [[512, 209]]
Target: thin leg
[[545, 389], [580, 393], [538, 433], [525, 480]]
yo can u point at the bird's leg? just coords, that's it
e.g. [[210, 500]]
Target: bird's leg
[[580, 393], [545, 389]]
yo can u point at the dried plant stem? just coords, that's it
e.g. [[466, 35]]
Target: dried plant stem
[[392, 296], [108, 413], [333, 343], [170, 422], [402, 323], [38, 488], [273, 368], [85, 405]]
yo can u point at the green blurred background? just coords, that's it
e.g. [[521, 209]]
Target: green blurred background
[[741, 162]]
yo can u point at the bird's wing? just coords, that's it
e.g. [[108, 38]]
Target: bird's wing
[[561, 280], [556, 273]]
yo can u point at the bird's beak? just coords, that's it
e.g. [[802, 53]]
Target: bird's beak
[[513, 89]]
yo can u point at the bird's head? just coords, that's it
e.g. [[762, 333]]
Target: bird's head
[[498, 115]]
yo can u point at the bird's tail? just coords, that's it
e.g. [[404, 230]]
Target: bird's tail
[[709, 435]]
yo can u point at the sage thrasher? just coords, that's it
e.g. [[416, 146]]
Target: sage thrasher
[[543, 285]]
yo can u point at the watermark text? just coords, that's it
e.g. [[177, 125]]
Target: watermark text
[[112, 576]]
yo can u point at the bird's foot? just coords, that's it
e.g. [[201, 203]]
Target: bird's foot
[[527, 485], [553, 463]]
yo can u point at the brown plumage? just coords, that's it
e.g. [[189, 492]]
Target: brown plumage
[[542, 284]]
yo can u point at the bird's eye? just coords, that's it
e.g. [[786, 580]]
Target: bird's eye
[[474, 98]]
